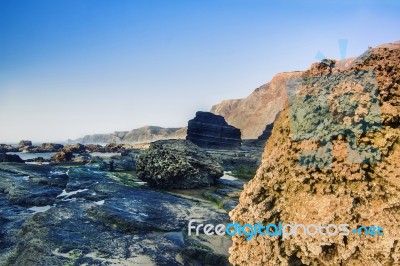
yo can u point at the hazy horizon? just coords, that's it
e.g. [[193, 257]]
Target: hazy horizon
[[74, 68]]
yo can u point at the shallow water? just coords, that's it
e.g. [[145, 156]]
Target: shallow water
[[227, 176], [40, 209], [29, 155], [104, 154], [66, 194]]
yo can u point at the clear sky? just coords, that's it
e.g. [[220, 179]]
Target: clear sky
[[70, 68]]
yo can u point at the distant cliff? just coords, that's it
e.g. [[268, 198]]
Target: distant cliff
[[139, 135], [252, 114]]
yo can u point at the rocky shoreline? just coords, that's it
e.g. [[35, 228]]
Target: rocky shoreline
[[55, 213]]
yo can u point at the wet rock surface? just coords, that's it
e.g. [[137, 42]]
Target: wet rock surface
[[55, 215], [177, 164]]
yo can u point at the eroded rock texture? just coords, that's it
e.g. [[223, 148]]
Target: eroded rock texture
[[208, 130], [343, 192]]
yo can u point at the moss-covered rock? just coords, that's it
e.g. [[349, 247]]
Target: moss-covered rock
[[177, 164]]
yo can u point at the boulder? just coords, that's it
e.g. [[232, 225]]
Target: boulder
[[63, 156], [208, 130], [177, 164]]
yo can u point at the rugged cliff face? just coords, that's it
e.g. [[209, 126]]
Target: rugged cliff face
[[252, 114], [349, 189]]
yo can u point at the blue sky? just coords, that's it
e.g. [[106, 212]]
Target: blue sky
[[70, 68]]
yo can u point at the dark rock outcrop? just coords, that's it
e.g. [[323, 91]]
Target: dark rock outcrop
[[82, 216], [8, 148], [177, 164], [46, 147], [208, 130], [12, 158]]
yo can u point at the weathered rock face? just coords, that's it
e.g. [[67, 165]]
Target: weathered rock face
[[354, 193], [208, 130], [177, 164], [252, 114]]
